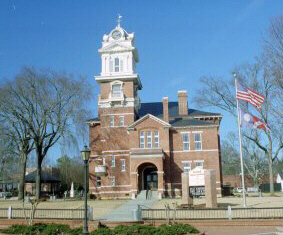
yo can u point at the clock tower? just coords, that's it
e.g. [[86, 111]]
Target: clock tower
[[118, 80]]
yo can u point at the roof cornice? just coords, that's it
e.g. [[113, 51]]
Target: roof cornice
[[132, 126]]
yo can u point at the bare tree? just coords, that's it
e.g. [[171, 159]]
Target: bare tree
[[273, 48], [15, 132], [50, 106], [219, 92], [254, 161], [6, 158], [230, 155]]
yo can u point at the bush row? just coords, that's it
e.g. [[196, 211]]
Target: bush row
[[61, 229]]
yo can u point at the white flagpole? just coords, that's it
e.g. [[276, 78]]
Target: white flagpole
[[240, 140]]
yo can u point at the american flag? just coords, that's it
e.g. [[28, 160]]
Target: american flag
[[247, 94]]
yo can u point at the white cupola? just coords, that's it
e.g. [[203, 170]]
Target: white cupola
[[118, 54], [118, 79]]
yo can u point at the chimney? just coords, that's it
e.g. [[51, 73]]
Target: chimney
[[182, 103], [165, 109]]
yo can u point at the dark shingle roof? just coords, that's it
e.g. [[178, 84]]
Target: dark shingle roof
[[93, 119], [189, 122], [45, 178], [156, 109]]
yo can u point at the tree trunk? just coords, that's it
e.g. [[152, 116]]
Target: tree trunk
[[271, 186], [21, 194], [38, 181]]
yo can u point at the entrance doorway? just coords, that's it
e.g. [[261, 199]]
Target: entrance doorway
[[150, 178], [147, 176]]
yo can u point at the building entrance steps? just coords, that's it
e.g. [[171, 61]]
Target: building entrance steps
[[124, 212], [142, 195]]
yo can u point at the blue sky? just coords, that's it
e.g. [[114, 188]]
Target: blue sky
[[178, 41]]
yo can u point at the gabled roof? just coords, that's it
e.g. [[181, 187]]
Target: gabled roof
[[148, 116], [116, 45]]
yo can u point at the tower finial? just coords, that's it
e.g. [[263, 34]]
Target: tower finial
[[119, 19]]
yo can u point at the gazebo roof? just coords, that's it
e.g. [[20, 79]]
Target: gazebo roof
[[46, 177]]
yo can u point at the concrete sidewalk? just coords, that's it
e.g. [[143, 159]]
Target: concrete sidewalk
[[124, 212], [245, 230]]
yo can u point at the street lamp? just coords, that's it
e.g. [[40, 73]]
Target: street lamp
[[85, 155]]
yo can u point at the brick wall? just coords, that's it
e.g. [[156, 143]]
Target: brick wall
[[171, 164]]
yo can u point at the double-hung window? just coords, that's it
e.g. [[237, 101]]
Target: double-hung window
[[197, 140], [112, 181], [186, 141], [123, 165], [98, 181], [187, 167], [199, 165], [111, 120], [142, 139], [116, 90], [149, 139], [121, 120], [112, 161], [156, 139]]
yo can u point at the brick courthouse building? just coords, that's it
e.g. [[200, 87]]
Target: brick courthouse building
[[140, 144]]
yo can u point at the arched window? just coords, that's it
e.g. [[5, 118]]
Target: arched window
[[116, 90]]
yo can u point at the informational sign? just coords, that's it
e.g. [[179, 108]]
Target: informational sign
[[197, 191], [196, 177]]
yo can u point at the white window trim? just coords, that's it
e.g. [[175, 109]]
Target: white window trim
[[113, 158], [123, 165], [142, 137], [110, 121], [200, 134], [154, 139], [183, 133], [189, 167], [117, 82], [123, 118], [111, 182], [199, 161], [118, 65], [147, 141]]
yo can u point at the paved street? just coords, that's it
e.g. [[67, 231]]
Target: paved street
[[228, 230]]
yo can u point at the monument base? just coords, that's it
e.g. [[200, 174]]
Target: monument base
[[187, 200]]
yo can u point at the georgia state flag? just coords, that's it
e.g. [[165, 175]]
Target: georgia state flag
[[248, 120]]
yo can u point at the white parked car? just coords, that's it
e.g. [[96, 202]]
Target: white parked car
[[253, 190], [5, 194], [238, 190]]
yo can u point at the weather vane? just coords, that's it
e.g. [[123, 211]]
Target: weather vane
[[119, 19]]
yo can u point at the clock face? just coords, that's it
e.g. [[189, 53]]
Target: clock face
[[116, 34]]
